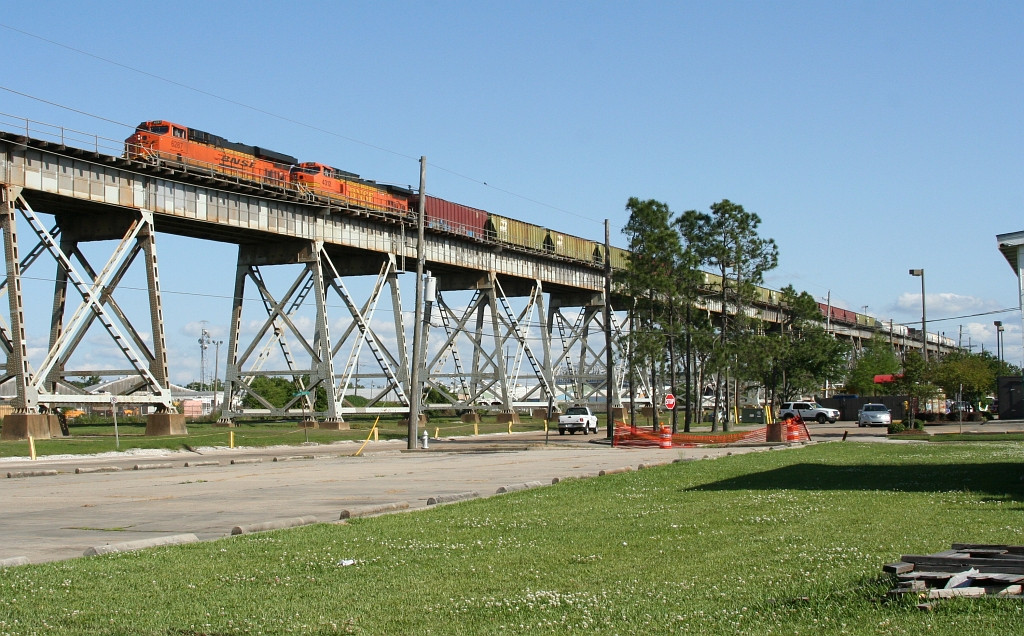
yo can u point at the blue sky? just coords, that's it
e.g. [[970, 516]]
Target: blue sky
[[870, 137]]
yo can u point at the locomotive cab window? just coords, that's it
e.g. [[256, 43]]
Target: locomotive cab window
[[156, 130], [179, 132]]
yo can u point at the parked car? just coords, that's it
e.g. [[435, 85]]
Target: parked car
[[874, 415], [577, 418], [808, 411]]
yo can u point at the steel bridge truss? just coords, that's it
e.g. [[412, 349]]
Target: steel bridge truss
[[498, 352], [318, 391], [47, 386], [486, 355], [492, 356]]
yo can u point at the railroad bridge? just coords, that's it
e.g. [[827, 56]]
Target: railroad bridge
[[505, 327]]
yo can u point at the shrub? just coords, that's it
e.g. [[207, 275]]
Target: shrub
[[896, 426]]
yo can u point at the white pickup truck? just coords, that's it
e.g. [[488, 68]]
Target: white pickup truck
[[577, 418]]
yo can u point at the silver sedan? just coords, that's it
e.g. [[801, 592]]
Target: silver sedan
[[874, 415]]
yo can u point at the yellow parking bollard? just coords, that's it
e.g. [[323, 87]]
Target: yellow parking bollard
[[31, 447], [231, 439], [436, 431], [476, 428]]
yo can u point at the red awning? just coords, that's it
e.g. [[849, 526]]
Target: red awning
[[887, 378]]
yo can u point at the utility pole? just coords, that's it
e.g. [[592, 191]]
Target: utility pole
[[609, 376], [415, 391], [204, 344], [216, 370]]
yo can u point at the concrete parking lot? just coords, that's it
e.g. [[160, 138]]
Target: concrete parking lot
[[56, 508]]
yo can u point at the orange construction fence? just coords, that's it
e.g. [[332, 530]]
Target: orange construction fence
[[638, 436]]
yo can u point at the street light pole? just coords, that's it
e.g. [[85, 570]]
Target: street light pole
[[216, 375], [999, 341], [924, 315]]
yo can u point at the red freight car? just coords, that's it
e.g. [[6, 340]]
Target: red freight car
[[454, 218]]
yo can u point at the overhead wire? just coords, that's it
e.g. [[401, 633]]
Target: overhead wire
[[268, 113]]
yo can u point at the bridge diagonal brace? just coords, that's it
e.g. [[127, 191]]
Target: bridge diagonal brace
[[367, 312], [107, 298], [365, 331], [276, 313], [303, 284], [515, 330], [91, 301]]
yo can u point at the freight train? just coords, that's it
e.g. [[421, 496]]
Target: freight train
[[167, 142]]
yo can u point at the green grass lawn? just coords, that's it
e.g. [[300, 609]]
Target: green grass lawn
[[100, 438], [781, 542]]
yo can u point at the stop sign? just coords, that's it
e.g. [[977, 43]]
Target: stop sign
[[670, 401]]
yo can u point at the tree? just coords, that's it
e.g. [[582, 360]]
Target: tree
[[972, 376], [876, 358], [804, 357], [727, 241], [648, 280], [691, 327], [914, 382], [810, 360], [86, 381]]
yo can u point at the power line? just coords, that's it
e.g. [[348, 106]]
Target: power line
[[268, 113]]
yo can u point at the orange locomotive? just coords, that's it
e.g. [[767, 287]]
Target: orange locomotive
[[336, 183], [169, 141]]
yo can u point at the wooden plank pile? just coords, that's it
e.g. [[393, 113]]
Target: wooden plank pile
[[966, 569]]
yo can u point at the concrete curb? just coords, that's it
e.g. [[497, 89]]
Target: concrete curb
[[653, 465], [151, 466], [514, 487], [461, 496], [97, 469], [31, 473], [615, 471], [175, 539], [211, 462], [367, 511], [280, 524], [249, 460], [290, 458], [13, 562]]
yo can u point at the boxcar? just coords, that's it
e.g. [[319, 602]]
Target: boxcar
[[516, 233], [572, 247], [454, 218], [619, 258]]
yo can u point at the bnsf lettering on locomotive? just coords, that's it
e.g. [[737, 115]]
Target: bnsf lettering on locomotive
[[232, 161]]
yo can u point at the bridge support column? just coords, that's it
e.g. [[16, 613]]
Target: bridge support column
[[21, 426], [12, 339], [166, 424]]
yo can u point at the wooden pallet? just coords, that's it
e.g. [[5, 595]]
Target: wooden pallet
[[966, 569]]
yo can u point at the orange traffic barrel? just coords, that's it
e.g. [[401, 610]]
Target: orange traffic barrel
[[792, 432], [666, 437]]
